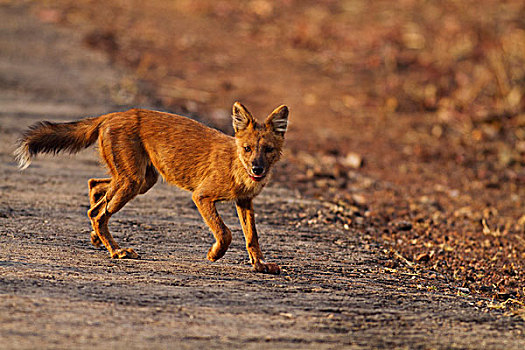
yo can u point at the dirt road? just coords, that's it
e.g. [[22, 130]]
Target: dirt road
[[58, 291]]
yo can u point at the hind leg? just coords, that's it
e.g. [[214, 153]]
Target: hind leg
[[97, 190], [150, 179], [119, 193], [128, 163], [99, 187]]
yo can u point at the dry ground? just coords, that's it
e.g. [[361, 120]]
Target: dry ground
[[338, 289], [410, 115]]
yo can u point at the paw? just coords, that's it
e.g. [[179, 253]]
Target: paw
[[270, 268], [126, 253], [95, 240], [215, 254]]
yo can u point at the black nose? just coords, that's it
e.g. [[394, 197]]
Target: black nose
[[257, 170]]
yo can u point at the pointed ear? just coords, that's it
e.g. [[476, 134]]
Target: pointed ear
[[241, 117], [278, 120]]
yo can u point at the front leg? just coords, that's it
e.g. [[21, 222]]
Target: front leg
[[223, 235], [247, 219]]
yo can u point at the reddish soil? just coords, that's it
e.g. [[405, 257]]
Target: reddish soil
[[397, 212], [409, 116]]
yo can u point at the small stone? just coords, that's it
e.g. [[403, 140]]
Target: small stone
[[352, 160], [359, 199], [403, 225]]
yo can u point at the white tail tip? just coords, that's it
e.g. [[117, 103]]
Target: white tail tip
[[22, 156]]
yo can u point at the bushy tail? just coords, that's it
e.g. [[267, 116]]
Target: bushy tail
[[48, 137]]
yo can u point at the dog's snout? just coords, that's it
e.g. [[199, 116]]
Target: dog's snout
[[257, 170]]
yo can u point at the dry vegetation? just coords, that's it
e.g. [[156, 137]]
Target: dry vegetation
[[409, 116]]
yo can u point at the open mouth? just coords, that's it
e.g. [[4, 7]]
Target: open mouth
[[257, 177]]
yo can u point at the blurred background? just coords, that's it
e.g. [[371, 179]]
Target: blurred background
[[407, 116]]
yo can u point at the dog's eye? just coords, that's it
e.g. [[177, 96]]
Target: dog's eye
[[247, 149], [268, 149]]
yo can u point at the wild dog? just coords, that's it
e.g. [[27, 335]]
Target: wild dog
[[138, 144]]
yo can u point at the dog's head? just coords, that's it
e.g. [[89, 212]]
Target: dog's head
[[259, 146]]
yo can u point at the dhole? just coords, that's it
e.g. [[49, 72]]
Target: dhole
[[139, 144]]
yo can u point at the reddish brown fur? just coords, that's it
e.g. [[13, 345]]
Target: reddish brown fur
[[137, 145]]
